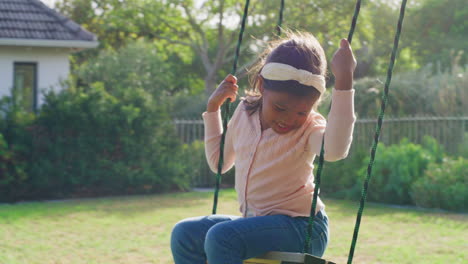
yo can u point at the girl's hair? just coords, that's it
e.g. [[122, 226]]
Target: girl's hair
[[298, 49]]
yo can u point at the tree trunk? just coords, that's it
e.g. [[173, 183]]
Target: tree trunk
[[210, 84]]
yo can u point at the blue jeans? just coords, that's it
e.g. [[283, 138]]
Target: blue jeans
[[223, 239]]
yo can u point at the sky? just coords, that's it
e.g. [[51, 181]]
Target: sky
[[49, 3]]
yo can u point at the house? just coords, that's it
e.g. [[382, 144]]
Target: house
[[35, 44]]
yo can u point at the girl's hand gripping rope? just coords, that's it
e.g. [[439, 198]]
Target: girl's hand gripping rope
[[343, 65], [226, 90]]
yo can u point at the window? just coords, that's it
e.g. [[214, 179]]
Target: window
[[25, 85]]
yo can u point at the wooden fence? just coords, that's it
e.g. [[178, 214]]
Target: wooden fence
[[450, 132]]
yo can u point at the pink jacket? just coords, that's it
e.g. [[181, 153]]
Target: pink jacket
[[274, 173]]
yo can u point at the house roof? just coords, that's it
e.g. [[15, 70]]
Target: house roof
[[32, 23]]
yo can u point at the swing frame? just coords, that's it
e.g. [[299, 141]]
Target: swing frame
[[276, 257]]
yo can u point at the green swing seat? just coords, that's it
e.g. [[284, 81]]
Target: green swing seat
[[276, 257]]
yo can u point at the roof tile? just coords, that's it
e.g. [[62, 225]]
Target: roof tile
[[31, 19]]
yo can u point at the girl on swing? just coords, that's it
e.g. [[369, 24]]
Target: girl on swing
[[272, 138]]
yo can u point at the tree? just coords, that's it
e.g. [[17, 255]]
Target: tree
[[438, 30], [140, 65], [204, 33], [173, 24]]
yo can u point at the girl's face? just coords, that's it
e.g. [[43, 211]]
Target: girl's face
[[284, 112]]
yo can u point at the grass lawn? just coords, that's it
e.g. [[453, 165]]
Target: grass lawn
[[136, 229]]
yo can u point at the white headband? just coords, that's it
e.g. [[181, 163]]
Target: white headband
[[284, 72]]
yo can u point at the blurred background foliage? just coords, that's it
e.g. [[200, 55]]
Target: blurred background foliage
[[195, 41], [110, 131]]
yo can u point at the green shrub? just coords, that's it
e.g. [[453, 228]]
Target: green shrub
[[395, 169], [193, 157], [12, 170], [444, 185], [338, 177], [415, 93], [343, 178], [463, 147], [198, 169], [15, 148], [435, 149], [97, 143], [87, 142]]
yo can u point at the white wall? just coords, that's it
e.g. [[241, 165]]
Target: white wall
[[52, 67]]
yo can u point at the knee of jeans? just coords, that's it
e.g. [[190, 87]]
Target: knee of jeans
[[180, 234], [218, 239], [319, 244]]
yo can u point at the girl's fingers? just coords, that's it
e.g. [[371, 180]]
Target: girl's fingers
[[345, 44], [233, 97], [231, 79], [230, 87]]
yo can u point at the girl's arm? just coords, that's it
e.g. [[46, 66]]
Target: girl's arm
[[213, 125], [213, 132], [339, 130]]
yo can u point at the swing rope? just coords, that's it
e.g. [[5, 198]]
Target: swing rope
[[225, 110], [280, 18], [378, 129], [322, 149]]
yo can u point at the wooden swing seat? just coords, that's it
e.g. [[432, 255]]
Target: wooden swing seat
[[276, 257]]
